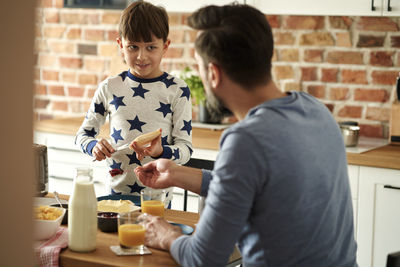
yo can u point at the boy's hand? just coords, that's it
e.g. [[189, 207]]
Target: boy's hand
[[102, 149], [155, 148]]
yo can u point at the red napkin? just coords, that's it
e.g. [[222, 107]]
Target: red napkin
[[48, 251]]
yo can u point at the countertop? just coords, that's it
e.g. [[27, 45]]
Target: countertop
[[387, 156]]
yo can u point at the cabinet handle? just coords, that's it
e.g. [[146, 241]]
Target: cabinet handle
[[372, 5], [391, 187], [389, 7]]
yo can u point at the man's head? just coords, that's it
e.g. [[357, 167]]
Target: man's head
[[141, 20], [238, 39]]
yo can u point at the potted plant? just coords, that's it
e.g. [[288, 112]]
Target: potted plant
[[198, 94]]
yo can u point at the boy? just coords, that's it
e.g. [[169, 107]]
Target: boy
[[140, 100]]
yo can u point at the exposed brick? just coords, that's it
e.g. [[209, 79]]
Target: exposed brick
[[47, 60], [317, 91], [67, 76], [61, 47], [370, 41], [36, 74], [345, 57], [329, 75], [41, 103], [383, 24], [70, 62], [395, 41], [274, 21], [176, 36], [40, 89], [378, 114], [343, 39], [350, 112], [191, 35], [41, 46], [174, 52], [381, 58], [38, 31], [108, 50], [313, 55], [317, 38], [45, 3], [54, 31], [398, 59], [309, 74], [58, 3], [371, 95], [343, 23], [51, 16], [369, 130], [291, 55], [86, 49], [329, 106], [76, 91], [86, 79], [93, 35], [94, 64], [283, 72], [354, 76], [112, 35], [384, 77], [74, 33], [92, 18], [284, 38], [68, 17], [59, 105], [340, 93], [50, 75], [176, 19], [90, 94], [56, 90], [109, 17], [292, 87], [305, 22]]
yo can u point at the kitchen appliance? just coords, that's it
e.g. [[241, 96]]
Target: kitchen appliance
[[394, 134], [350, 132], [40, 170]]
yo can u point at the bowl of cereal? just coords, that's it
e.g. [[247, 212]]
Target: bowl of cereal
[[47, 220]]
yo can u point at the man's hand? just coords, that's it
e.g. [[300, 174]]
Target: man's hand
[[159, 233], [102, 149], [157, 174], [154, 150]]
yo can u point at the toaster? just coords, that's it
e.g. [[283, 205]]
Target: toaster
[[41, 172]]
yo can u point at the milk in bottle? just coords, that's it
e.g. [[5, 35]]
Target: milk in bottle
[[82, 212]]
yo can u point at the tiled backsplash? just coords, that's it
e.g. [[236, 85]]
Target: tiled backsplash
[[349, 63]]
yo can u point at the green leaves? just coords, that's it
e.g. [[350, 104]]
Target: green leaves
[[195, 85]]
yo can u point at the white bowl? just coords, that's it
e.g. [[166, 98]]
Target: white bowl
[[44, 229]]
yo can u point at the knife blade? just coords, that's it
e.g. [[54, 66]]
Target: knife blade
[[117, 149], [398, 87]]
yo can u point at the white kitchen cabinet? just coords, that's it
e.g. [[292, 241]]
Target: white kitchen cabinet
[[330, 7], [188, 6], [378, 215], [353, 171]]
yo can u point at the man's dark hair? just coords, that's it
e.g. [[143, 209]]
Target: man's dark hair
[[140, 20], [238, 38]]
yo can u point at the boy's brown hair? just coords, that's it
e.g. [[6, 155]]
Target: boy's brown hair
[[140, 20]]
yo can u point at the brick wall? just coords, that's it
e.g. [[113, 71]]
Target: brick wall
[[349, 63]]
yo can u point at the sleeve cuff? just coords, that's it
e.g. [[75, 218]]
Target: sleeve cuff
[[167, 153], [90, 147], [175, 247], [205, 182]]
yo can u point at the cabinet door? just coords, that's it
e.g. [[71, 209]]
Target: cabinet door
[[391, 8], [378, 216], [188, 5], [319, 8]]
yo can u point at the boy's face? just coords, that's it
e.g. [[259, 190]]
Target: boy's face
[[143, 58]]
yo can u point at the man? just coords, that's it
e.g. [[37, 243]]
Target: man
[[279, 187]]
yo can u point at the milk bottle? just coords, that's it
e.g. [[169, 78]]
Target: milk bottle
[[82, 212]]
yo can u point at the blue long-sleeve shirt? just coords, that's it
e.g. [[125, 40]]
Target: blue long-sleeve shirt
[[279, 189]]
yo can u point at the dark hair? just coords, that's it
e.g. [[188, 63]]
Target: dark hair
[[140, 20], [238, 38]]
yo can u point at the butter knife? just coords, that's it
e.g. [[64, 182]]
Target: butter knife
[[117, 149]]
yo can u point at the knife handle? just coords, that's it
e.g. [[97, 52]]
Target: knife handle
[[398, 87]]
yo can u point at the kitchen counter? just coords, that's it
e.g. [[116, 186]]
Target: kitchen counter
[[207, 140]]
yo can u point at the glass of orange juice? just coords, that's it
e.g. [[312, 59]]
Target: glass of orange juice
[[130, 232], [153, 201]]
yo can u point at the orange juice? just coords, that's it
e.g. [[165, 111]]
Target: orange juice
[[131, 235], [153, 207]]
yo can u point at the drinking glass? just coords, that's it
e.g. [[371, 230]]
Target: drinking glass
[[130, 232], [153, 201]]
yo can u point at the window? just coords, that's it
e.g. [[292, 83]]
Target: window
[[106, 4]]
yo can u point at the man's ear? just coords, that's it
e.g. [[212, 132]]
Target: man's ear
[[214, 75]]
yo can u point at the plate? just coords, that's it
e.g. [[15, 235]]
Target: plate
[[186, 229], [134, 199], [46, 201]]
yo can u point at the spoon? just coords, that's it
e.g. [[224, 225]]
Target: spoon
[[57, 198]]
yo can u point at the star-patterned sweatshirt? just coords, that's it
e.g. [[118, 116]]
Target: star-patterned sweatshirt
[[136, 106]]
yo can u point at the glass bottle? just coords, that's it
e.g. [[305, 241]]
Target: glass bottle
[[82, 212]]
